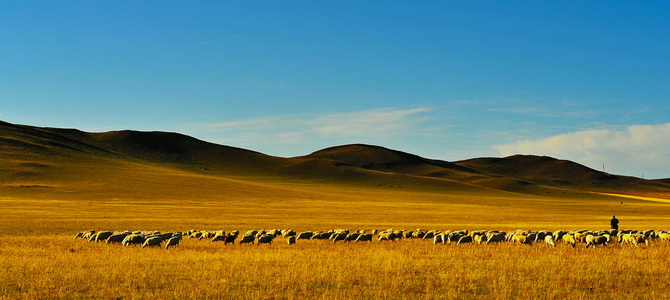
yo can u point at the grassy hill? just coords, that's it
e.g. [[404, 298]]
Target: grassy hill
[[528, 174], [66, 179]]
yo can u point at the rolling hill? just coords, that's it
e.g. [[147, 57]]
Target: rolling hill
[[517, 173], [46, 158]]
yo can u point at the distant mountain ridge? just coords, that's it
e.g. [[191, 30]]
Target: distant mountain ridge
[[25, 148]]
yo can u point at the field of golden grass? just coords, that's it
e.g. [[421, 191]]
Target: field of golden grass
[[41, 214], [60, 267], [42, 260]]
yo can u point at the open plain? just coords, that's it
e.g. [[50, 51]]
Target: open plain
[[57, 182]]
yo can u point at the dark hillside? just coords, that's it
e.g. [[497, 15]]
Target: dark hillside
[[550, 171], [30, 154], [28, 139], [543, 169], [179, 149], [382, 159]]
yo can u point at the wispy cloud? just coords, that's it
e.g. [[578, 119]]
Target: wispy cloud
[[366, 122], [632, 150], [243, 124], [363, 126], [548, 113]]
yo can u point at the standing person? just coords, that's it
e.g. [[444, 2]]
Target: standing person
[[615, 223]]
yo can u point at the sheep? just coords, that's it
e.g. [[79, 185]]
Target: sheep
[[399, 234], [657, 233], [173, 242], [612, 232], [608, 237], [230, 239], [455, 236], [594, 240], [589, 238], [387, 236], [430, 234], [522, 239], [152, 241], [558, 234], [465, 240], [316, 235], [650, 234], [446, 237], [580, 237], [116, 238], [219, 238], [305, 235], [634, 239], [85, 234], [476, 233], [352, 237], [209, 234], [133, 239], [493, 237], [195, 235], [480, 238], [265, 239], [417, 234], [366, 237], [100, 236], [621, 233], [248, 239], [628, 238], [288, 232], [569, 239], [437, 239], [549, 239], [260, 232], [204, 234], [92, 237], [338, 232], [89, 234], [510, 236], [339, 237], [322, 235], [212, 234]]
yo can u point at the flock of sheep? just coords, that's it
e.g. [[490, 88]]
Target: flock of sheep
[[551, 238], [574, 237]]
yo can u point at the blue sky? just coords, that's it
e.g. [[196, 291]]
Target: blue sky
[[587, 81]]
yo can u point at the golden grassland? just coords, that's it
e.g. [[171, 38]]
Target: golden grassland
[[60, 267], [40, 258]]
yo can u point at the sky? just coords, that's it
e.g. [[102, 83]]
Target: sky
[[587, 81]]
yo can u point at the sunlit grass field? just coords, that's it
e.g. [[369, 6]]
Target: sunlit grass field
[[60, 267], [41, 258]]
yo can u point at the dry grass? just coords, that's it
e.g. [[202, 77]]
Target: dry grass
[[42, 212], [60, 267]]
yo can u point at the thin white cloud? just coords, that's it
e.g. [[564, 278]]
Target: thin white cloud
[[633, 150], [357, 126], [243, 124], [366, 122], [547, 112]]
